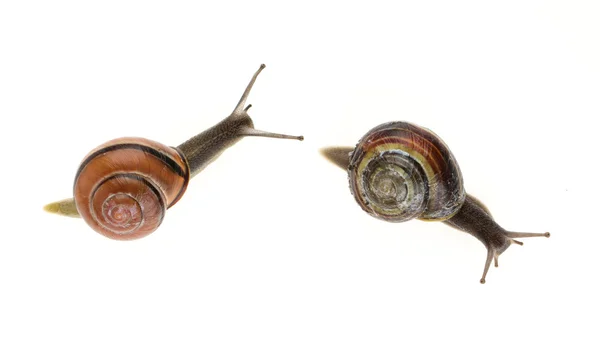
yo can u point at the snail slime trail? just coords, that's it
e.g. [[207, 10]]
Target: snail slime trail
[[400, 171], [123, 200]]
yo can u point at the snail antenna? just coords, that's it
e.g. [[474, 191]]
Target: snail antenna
[[239, 108], [258, 133], [526, 235], [490, 255], [241, 111]]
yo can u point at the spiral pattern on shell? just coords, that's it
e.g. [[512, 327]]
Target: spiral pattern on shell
[[123, 187], [400, 171]]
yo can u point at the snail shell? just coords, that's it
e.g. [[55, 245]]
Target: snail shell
[[400, 171], [123, 187]]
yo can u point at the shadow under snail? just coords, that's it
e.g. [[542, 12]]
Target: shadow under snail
[[124, 186], [400, 171]]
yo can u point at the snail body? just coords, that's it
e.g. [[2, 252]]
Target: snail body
[[123, 187], [399, 171]]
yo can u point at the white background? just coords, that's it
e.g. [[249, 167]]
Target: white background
[[268, 240]]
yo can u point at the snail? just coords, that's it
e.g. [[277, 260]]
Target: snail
[[400, 171], [124, 186]]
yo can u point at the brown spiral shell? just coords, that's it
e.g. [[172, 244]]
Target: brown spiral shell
[[400, 171], [124, 186]]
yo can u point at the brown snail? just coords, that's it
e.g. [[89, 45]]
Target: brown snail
[[400, 171], [123, 187]]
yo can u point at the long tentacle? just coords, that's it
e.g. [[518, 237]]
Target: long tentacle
[[488, 262], [526, 235], [259, 133], [239, 108]]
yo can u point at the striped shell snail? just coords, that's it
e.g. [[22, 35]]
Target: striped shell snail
[[400, 171], [123, 187]]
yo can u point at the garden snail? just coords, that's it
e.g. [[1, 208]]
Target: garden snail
[[400, 171], [123, 187]]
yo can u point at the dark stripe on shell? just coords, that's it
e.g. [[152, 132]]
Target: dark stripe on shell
[[186, 177], [448, 195], [439, 153], [168, 161]]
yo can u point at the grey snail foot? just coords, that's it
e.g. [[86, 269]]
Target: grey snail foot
[[338, 155]]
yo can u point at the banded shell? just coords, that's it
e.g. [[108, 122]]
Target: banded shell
[[123, 187], [400, 171]]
